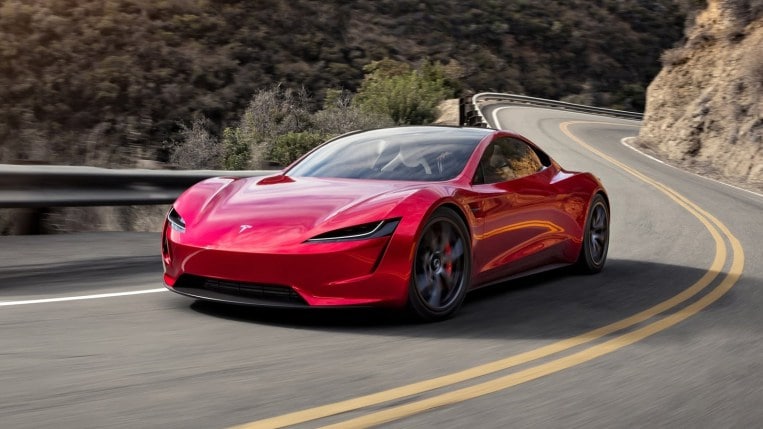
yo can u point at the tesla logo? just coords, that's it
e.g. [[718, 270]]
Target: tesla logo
[[243, 228]]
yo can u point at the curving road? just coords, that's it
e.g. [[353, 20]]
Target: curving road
[[670, 334]]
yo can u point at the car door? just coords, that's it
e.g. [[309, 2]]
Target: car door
[[517, 205]]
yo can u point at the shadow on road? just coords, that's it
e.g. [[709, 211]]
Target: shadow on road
[[549, 305]]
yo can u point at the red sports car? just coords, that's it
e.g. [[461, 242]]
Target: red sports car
[[400, 217]]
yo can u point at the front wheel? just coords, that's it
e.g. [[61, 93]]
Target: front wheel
[[442, 267], [593, 252]]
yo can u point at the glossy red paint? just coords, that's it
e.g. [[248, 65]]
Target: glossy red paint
[[255, 232]]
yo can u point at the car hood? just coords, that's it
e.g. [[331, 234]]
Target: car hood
[[259, 214]]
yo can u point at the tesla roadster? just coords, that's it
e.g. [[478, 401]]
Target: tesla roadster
[[406, 217]]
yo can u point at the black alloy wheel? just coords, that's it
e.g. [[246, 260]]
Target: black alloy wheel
[[593, 253], [442, 267]]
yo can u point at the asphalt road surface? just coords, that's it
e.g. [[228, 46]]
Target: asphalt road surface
[[669, 335]]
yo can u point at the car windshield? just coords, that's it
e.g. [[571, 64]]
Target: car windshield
[[406, 153]]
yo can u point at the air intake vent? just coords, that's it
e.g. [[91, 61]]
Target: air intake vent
[[251, 293]]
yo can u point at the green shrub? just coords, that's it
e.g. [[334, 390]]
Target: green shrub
[[271, 112], [236, 150], [289, 147], [277, 126], [407, 96], [340, 115]]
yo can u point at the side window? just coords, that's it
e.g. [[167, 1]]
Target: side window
[[522, 158], [507, 159]]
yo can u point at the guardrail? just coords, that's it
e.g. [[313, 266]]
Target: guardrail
[[470, 112], [40, 187], [61, 186]]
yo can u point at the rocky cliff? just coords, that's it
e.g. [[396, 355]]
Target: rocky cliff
[[704, 109]]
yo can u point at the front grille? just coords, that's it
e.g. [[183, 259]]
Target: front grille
[[250, 292]]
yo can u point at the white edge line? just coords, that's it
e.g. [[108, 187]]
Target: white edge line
[[80, 297], [495, 116], [624, 142]]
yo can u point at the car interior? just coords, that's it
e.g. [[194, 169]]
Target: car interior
[[508, 159]]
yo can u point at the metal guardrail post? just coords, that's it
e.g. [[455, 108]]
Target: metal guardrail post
[[462, 103], [29, 221]]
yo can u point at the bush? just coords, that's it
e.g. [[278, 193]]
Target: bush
[[339, 115], [237, 150], [290, 146], [277, 126], [198, 149], [407, 96], [272, 112]]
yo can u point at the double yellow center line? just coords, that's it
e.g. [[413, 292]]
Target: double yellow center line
[[717, 231]]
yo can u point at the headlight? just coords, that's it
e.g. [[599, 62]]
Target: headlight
[[365, 231], [175, 220]]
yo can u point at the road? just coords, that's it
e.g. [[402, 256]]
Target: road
[[669, 335]]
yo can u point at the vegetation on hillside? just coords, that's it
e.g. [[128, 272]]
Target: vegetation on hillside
[[106, 82], [406, 95]]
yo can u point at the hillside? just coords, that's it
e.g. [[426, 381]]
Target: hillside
[[705, 108], [105, 82]]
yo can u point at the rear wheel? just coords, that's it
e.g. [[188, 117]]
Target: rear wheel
[[593, 253], [442, 267]]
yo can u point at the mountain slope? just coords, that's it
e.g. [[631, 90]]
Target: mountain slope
[[104, 82], [705, 108]]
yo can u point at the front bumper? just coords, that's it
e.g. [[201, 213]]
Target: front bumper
[[372, 272]]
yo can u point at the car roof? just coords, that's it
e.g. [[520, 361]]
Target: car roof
[[476, 132]]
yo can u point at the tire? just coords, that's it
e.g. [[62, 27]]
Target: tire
[[593, 252], [441, 269]]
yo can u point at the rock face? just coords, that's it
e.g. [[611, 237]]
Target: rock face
[[704, 109]]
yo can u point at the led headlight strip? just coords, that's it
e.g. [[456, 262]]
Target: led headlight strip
[[359, 232]]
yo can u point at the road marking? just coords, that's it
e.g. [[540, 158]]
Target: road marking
[[633, 148], [554, 366], [592, 352], [80, 297], [545, 369]]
